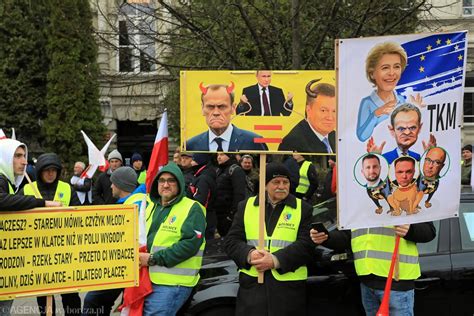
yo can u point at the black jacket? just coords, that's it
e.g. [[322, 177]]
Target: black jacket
[[203, 185], [273, 297], [340, 240], [48, 190], [10, 202], [230, 187], [102, 192], [276, 101]]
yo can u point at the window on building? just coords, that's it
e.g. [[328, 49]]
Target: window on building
[[467, 7], [136, 44]]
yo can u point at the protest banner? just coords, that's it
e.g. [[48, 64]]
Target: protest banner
[[75, 249], [261, 121], [399, 163]]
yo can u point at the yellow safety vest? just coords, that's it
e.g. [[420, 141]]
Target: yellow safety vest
[[138, 197], [142, 177], [303, 185], [185, 273], [373, 249], [10, 188], [284, 234], [63, 192]]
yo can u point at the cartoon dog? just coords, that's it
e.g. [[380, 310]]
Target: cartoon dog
[[405, 199]]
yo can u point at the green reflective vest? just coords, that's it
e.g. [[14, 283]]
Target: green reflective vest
[[303, 185], [284, 234], [373, 249], [185, 273], [142, 177], [63, 192]]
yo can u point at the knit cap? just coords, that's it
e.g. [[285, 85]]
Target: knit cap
[[124, 178], [275, 170], [136, 157], [115, 154]]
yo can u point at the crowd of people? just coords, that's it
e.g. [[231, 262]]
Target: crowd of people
[[220, 182], [203, 196]]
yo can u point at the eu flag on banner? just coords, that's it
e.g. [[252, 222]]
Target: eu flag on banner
[[435, 64]]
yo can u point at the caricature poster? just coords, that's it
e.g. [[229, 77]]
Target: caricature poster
[[400, 101], [275, 118]]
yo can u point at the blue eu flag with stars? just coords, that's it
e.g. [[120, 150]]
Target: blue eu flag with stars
[[435, 64]]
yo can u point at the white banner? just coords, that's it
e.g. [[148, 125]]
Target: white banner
[[400, 104]]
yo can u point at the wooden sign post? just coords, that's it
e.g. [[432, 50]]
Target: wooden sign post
[[261, 208]]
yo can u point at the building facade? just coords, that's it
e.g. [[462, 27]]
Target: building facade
[[447, 16], [132, 82]]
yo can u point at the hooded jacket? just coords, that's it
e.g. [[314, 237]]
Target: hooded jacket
[[193, 228], [7, 151], [10, 202], [48, 190]]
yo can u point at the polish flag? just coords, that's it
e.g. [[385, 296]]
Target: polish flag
[[2, 134], [134, 297], [96, 156], [159, 155]]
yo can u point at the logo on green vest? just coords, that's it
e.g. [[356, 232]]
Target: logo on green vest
[[172, 220], [61, 195], [287, 217]]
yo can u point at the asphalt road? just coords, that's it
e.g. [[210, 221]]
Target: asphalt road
[[28, 306]]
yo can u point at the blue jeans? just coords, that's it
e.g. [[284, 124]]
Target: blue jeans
[[166, 300], [401, 302], [5, 307]]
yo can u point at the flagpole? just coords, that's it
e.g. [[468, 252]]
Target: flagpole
[[384, 306], [261, 208]]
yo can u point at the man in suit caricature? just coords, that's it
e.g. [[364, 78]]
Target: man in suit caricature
[[217, 107], [316, 133], [405, 127], [262, 99], [377, 188]]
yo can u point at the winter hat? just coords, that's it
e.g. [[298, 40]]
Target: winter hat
[[114, 154], [186, 154], [201, 159], [276, 169], [136, 157], [124, 178]]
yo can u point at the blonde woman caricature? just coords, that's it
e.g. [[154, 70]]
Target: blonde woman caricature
[[384, 66]]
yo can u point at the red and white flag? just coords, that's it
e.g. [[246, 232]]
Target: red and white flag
[[96, 156], [159, 155], [134, 297], [2, 134]]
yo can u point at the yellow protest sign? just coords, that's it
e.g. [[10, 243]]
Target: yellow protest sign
[[267, 107], [48, 251]]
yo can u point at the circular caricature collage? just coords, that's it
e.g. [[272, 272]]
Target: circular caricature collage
[[404, 182]]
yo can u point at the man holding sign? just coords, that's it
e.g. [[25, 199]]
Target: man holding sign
[[372, 249], [48, 185], [13, 160], [287, 249], [175, 239]]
